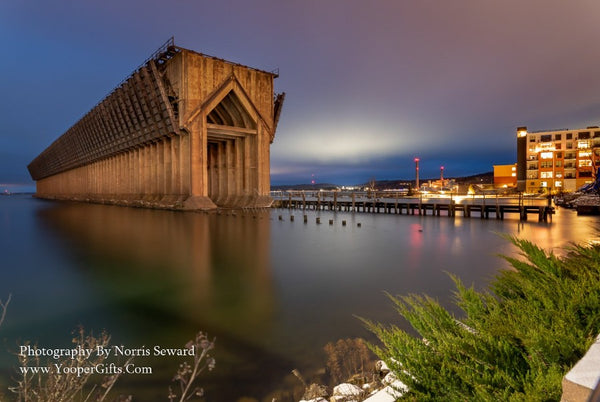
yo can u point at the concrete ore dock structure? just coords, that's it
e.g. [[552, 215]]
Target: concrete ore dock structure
[[184, 131]]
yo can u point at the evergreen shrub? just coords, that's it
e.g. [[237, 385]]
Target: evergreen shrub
[[513, 342]]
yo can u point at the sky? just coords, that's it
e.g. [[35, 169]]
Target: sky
[[370, 84]]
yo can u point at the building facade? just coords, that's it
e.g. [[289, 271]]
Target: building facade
[[184, 131], [505, 176], [557, 160]]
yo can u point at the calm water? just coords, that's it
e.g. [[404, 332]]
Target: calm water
[[272, 291]]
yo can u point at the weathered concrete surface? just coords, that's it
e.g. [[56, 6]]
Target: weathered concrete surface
[[184, 131], [583, 378]]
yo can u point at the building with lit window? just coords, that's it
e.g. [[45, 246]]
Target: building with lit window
[[556, 160], [505, 176]]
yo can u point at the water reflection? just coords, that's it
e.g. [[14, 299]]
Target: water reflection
[[212, 262], [163, 275], [274, 292]]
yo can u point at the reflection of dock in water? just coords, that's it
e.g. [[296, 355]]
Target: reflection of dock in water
[[181, 262], [467, 207]]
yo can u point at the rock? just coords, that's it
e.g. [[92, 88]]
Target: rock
[[346, 393], [347, 390], [390, 378], [314, 392], [381, 368], [393, 390]]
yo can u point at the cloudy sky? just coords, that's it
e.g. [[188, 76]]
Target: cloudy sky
[[370, 84]]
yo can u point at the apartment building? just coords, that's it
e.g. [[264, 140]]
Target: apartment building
[[556, 160]]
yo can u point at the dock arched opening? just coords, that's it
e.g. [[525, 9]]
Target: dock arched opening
[[231, 152]]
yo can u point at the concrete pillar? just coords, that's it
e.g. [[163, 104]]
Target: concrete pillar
[[222, 169], [167, 169], [230, 155], [247, 158], [239, 166], [157, 167], [160, 172], [198, 159], [113, 177], [176, 166], [138, 172], [142, 167], [153, 169], [151, 163], [185, 165], [147, 174]]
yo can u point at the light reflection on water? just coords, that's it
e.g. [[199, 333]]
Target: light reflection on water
[[272, 291]]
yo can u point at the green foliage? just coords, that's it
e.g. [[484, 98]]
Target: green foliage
[[514, 343]]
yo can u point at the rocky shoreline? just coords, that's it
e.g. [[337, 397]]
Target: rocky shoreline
[[385, 387], [584, 203]]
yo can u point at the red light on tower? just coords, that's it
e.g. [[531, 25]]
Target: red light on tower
[[442, 174]]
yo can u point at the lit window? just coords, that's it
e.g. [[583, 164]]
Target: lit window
[[558, 184], [546, 175], [585, 163], [583, 144], [513, 174], [585, 154], [546, 155], [559, 175], [513, 168], [544, 184]]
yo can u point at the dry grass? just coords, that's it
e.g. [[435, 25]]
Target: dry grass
[[347, 359]]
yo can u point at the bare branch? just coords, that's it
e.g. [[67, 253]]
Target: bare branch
[[3, 308]]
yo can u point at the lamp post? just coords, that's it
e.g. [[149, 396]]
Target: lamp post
[[417, 172]]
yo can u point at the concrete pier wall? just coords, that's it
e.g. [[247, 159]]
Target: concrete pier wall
[[151, 176], [184, 131]]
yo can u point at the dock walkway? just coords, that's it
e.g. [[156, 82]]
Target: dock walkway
[[467, 207]]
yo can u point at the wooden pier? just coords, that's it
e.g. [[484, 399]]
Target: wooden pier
[[441, 207]]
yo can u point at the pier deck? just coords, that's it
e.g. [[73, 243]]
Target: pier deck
[[484, 208]]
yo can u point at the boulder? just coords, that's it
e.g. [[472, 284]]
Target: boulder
[[346, 393]]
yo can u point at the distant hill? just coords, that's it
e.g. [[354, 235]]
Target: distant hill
[[285, 187], [480, 178]]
